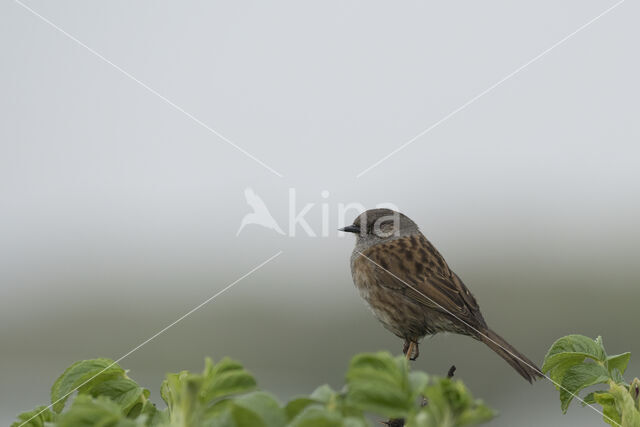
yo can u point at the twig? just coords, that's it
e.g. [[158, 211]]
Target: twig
[[451, 371]]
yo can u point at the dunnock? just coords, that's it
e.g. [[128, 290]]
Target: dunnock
[[412, 290]]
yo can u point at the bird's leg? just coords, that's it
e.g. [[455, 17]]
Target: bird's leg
[[405, 348], [410, 349], [416, 353]]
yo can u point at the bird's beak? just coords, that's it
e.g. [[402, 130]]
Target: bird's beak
[[350, 229]]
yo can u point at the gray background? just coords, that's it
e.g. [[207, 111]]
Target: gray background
[[119, 213]]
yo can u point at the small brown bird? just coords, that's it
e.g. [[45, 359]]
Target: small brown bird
[[412, 290]]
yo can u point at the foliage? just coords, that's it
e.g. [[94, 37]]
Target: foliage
[[576, 362], [225, 395]]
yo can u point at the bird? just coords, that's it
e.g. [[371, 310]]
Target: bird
[[260, 215], [412, 291]]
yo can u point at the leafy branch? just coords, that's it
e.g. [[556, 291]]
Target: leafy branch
[[226, 395], [576, 362]]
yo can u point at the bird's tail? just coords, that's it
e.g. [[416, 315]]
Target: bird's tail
[[513, 357]]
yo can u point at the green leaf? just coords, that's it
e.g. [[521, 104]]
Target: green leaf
[[265, 406], [156, 418], [317, 416], [379, 383], [146, 408], [417, 382], [224, 379], [36, 418], [324, 393], [479, 414], [123, 391], [181, 392], [590, 398], [99, 412], [82, 375], [354, 422], [170, 388], [451, 404], [142, 407], [617, 377], [237, 416], [630, 417], [611, 416], [197, 399], [609, 411], [559, 369], [619, 362], [578, 377], [424, 419], [257, 409], [573, 347], [297, 405]]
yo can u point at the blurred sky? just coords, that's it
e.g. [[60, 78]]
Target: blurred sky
[[119, 213]]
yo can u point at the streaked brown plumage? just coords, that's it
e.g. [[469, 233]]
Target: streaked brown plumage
[[412, 290]]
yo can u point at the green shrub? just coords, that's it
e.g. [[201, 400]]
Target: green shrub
[[226, 395], [576, 362]]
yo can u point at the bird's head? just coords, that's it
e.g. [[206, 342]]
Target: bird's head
[[380, 225]]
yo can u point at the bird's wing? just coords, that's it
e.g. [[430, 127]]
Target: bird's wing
[[412, 266]]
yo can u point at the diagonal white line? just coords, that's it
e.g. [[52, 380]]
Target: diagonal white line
[[153, 91], [487, 337], [163, 330], [489, 89]]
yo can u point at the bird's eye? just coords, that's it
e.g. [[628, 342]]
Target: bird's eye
[[384, 228]]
